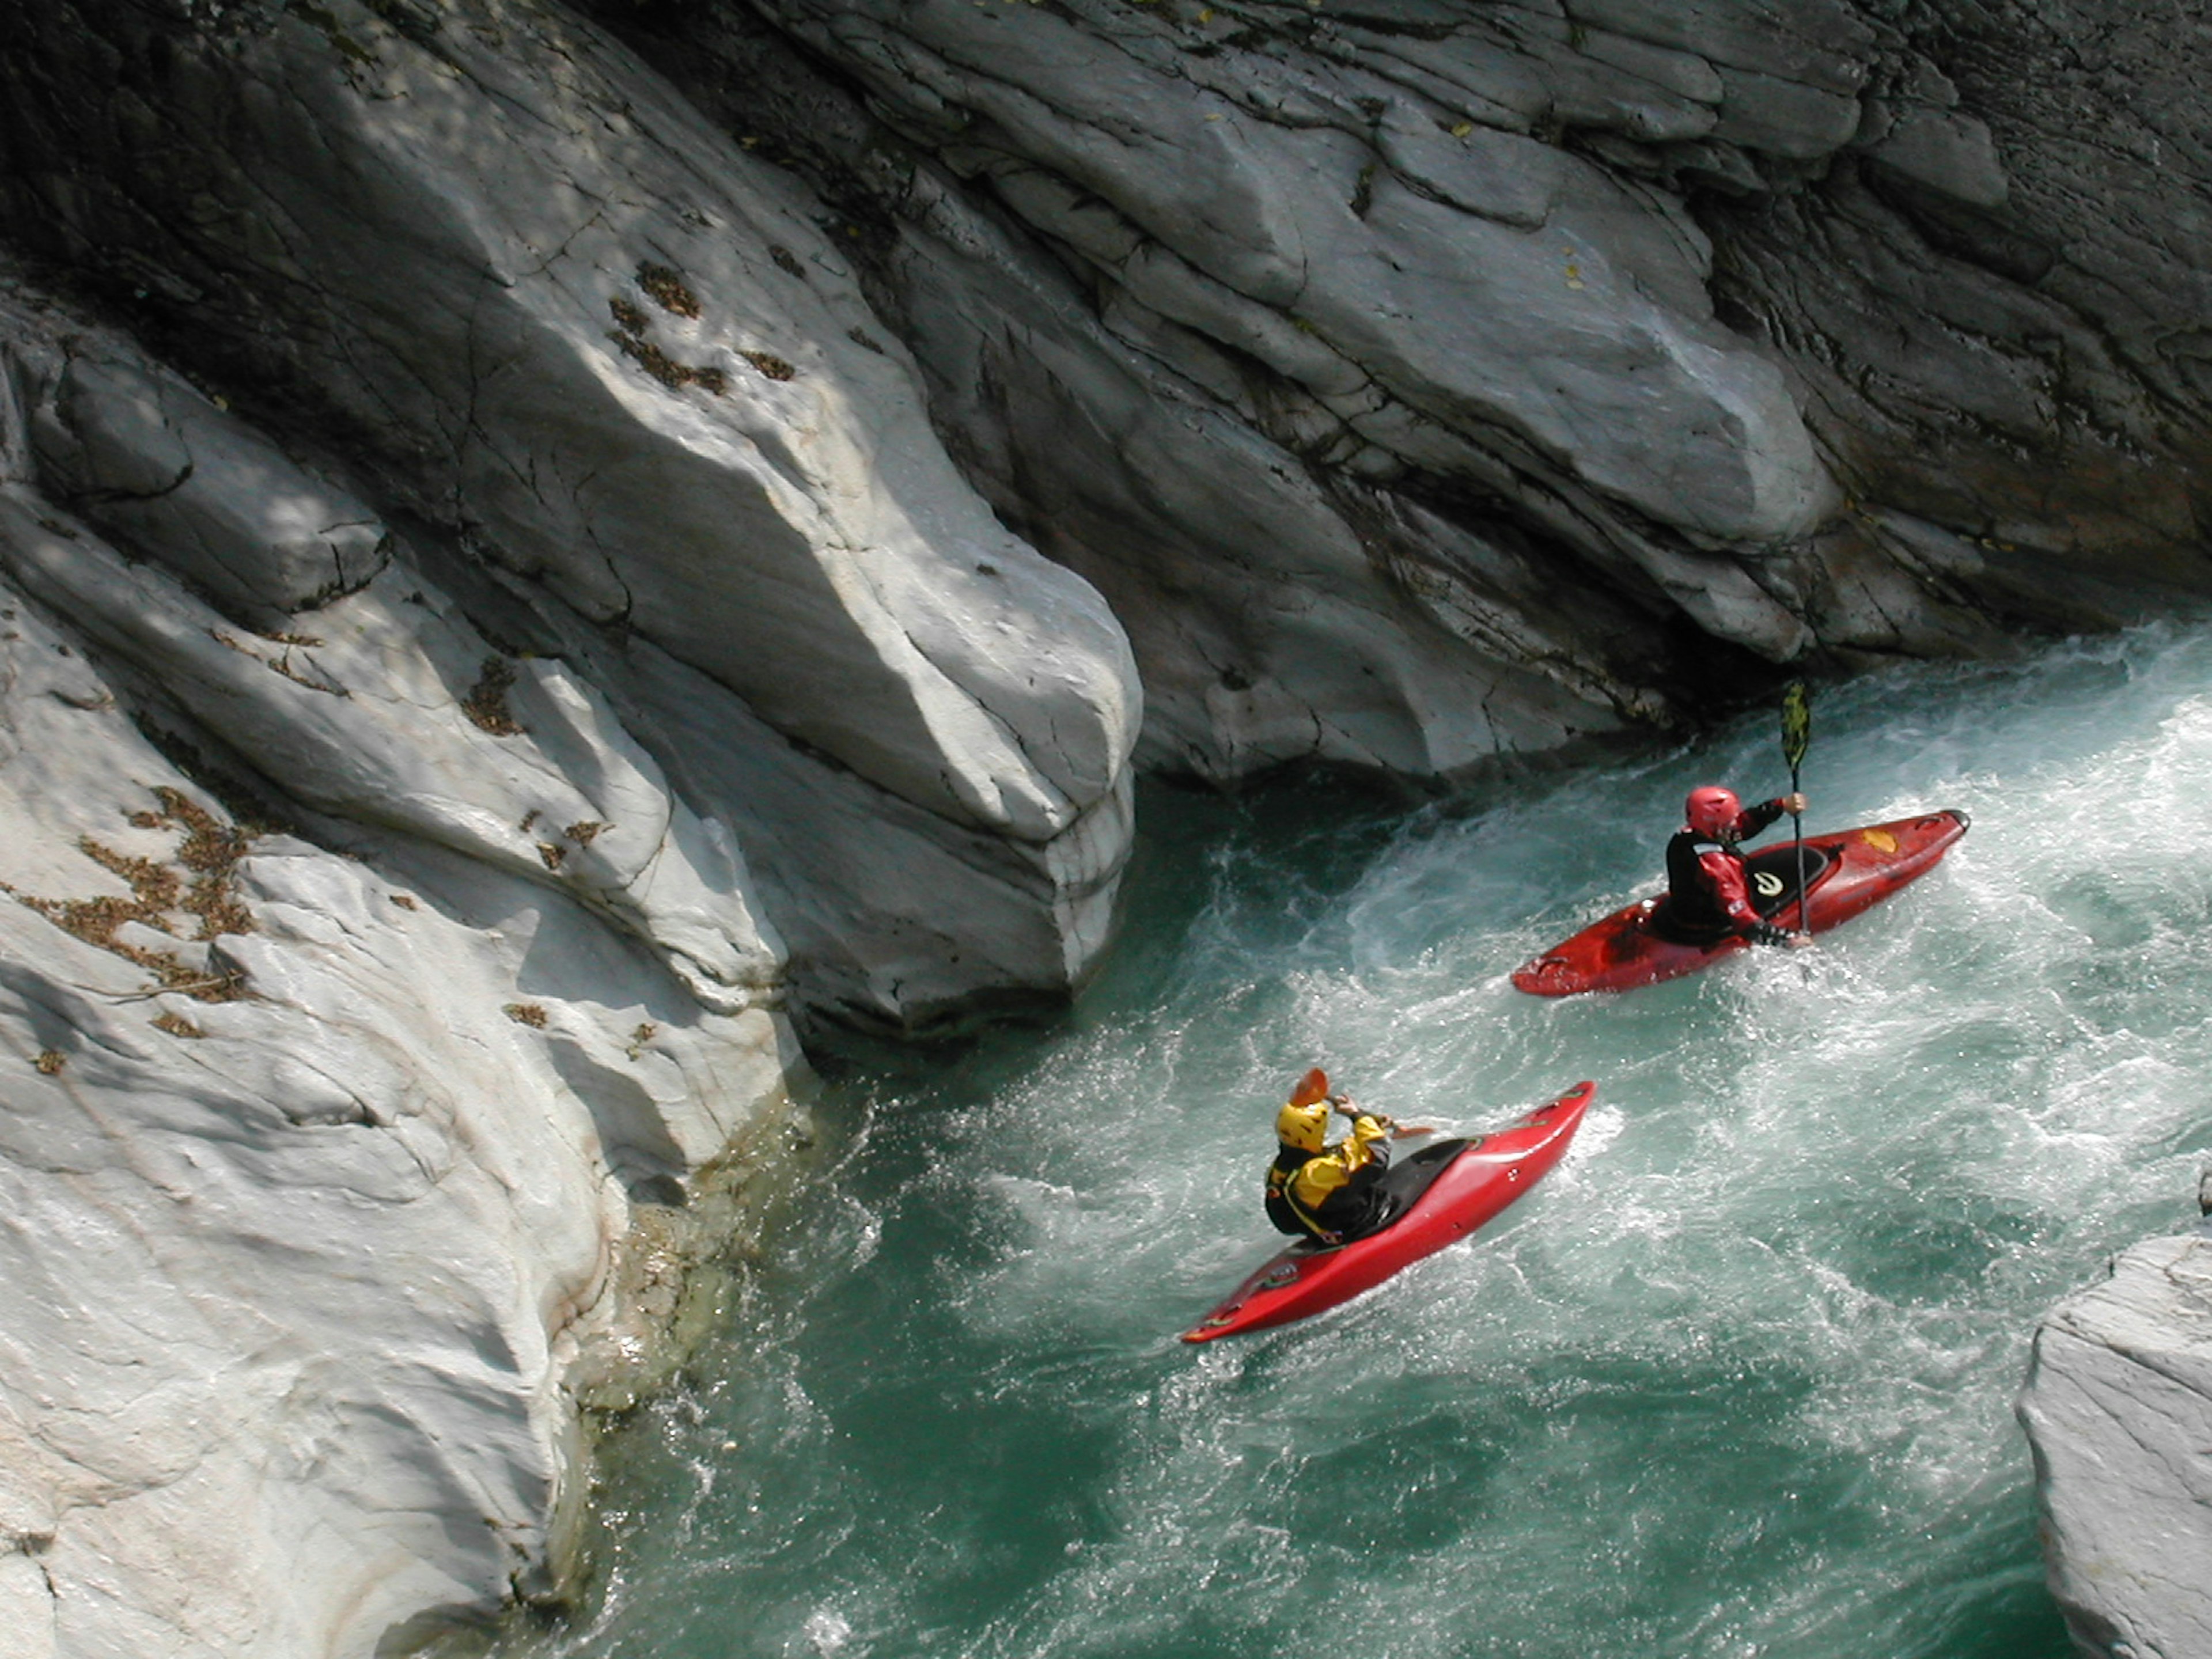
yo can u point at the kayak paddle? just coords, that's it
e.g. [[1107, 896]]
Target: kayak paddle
[[1796, 738]]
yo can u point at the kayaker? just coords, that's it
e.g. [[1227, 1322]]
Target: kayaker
[[1708, 892], [1324, 1192]]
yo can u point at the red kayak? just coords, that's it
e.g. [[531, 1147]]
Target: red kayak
[[1439, 1195], [1846, 873]]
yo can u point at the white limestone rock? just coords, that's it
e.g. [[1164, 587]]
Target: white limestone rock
[[889, 919], [2119, 1408], [342, 1204], [26, 1602], [622, 351], [394, 712], [620, 360], [143, 453], [343, 1148], [351, 710]]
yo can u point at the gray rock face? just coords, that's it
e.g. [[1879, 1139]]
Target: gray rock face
[[1518, 342], [614, 361], [1366, 359], [1993, 298], [1252, 193], [329, 1163], [1343, 299], [2118, 1406], [1397, 429], [1415, 383], [143, 454]]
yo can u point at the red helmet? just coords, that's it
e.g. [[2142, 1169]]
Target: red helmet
[[1712, 812]]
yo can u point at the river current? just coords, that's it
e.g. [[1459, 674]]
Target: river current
[[1737, 1379]]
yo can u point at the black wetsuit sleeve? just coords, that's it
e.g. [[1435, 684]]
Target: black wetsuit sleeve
[[1756, 819]]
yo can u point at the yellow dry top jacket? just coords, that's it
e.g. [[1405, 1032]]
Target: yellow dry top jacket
[[1306, 1186]]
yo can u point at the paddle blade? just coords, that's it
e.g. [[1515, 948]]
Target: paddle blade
[[1313, 1086], [1796, 724]]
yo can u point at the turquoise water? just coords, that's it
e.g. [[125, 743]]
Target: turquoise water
[[1737, 1380]]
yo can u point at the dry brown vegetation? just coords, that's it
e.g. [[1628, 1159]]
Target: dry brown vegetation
[[201, 885], [667, 290], [486, 703], [665, 369]]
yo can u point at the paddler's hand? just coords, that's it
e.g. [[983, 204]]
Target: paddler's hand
[[1794, 805], [1798, 941], [1405, 1132]]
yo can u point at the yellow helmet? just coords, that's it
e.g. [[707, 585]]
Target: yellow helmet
[[1305, 1127]]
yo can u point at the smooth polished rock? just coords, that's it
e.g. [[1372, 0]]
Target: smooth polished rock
[[2118, 1407], [140, 451], [343, 1171], [889, 920], [615, 356], [327, 1163], [394, 713]]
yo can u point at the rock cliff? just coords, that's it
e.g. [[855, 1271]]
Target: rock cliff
[[627, 391], [371, 1001], [539, 542]]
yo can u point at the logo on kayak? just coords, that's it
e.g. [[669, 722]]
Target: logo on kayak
[[1769, 884], [1881, 840]]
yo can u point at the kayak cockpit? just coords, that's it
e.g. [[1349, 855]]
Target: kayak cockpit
[[1770, 880], [1403, 1183]]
